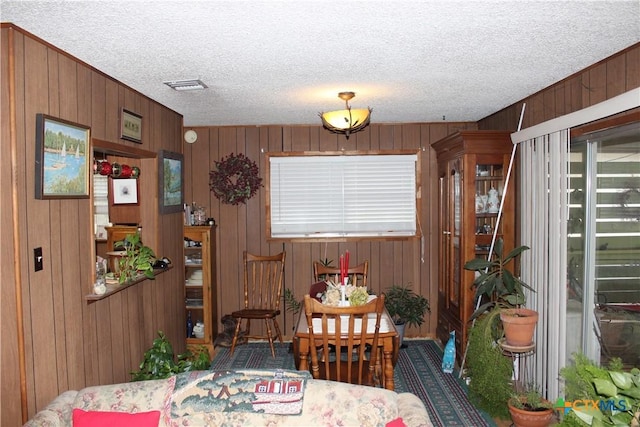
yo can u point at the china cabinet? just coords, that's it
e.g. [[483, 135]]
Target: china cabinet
[[200, 286], [472, 167]]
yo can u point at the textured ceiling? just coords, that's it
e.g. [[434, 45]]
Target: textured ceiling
[[281, 62]]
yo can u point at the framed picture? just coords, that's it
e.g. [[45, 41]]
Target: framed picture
[[131, 126], [170, 182], [125, 191], [63, 157]]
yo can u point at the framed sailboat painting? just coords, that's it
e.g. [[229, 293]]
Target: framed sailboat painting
[[63, 158]]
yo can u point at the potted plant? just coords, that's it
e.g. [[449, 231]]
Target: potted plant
[[616, 392], [136, 259], [504, 291], [529, 409], [488, 370], [405, 307], [159, 361]]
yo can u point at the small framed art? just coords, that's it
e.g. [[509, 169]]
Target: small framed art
[[131, 126], [170, 182], [63, 155], [125, 191]]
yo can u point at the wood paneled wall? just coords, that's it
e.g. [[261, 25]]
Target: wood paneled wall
[[69, 343], [243, 227], [603, 80]]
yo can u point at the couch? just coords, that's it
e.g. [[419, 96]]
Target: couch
[[233, 398]]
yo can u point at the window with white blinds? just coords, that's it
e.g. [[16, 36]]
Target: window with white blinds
[[328, 195], [100, 205]]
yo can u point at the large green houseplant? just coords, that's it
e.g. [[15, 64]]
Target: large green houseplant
[[405, 307], [135, 260], [615, 392], [498, 288], [487, 368], [160, 362]]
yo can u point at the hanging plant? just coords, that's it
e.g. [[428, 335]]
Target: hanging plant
[[235, 179]]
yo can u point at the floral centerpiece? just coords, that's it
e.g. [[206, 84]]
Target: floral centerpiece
[[355, 295]]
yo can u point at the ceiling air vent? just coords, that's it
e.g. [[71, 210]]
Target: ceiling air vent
[[183, 85]]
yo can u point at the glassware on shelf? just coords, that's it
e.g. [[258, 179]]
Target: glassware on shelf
[[493, 203]]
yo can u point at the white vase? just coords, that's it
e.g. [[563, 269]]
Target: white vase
[[493, 203]]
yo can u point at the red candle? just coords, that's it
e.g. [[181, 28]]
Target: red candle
[[341, 269], [346, 264]]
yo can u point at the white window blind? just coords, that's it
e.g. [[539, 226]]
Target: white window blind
[[342, 195], [100, 205]]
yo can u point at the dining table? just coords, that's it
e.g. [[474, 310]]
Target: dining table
[[388, 341]]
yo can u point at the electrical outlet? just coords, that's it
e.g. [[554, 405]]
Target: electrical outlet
[[37, 259]]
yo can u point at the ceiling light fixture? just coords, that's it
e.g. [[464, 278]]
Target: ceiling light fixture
[[348, 121], [184, 85]]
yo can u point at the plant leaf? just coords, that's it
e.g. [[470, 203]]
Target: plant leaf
[[605, 387]]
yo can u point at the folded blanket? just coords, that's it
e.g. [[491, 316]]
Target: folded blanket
[[276, 392]]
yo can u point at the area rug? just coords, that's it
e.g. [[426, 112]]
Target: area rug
[[418, 371]]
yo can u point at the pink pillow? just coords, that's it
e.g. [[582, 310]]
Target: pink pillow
[[108, 419], [398, 422]]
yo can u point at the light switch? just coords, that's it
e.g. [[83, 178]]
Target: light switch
[[37, 259]]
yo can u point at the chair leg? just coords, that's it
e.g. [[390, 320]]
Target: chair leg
[[270, 337], [279, 334], [235, 336]]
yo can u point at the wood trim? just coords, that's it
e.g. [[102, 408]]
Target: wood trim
[[609, 122], [16, 231], [339, 153], [114, 149], [114, 289]]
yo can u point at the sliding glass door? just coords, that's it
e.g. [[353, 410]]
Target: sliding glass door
[[603, 247]]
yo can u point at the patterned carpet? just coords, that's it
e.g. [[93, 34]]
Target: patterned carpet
[[418, 371]]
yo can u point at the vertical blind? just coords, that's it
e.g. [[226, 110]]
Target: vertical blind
[[544, 206], [544, 183], [370, 195]]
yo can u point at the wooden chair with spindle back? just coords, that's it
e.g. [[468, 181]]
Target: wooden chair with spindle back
[[344, 341], [357, 274], [263, 278]]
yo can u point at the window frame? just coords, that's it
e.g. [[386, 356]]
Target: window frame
[[308, 239]]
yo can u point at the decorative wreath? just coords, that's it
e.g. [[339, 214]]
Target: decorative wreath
[[236, 179]]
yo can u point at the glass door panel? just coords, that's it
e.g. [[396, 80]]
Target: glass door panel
[[604, 244], [456, 219]]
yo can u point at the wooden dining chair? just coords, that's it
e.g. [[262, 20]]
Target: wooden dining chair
[[357, 274], [263, 277], [343, 341]]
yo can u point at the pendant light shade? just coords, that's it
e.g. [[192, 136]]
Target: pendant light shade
[[347, 121]]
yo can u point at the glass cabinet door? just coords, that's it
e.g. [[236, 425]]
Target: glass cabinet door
[[489, 180], [456, 232], [194, 290]]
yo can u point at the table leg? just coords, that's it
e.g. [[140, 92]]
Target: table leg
[[303, 351], [388, 369]]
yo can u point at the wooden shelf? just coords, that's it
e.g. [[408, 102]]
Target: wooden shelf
[[200, 299], [115, 288]]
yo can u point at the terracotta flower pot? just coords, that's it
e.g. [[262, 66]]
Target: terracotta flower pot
[[528, 418], [519, 325]]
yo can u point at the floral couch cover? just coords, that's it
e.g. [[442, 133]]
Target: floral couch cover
[[193, 399]]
